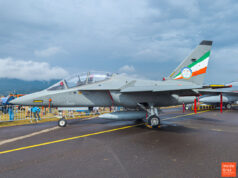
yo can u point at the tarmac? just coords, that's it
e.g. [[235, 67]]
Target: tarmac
[[186, 145]]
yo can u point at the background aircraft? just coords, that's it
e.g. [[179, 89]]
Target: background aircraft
[[229, 96], [141, 97]]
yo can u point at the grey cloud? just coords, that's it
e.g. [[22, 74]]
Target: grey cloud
[[107, 34], [30, 70]]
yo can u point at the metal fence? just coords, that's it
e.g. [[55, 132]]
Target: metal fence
[[17, 113], [14, 113]]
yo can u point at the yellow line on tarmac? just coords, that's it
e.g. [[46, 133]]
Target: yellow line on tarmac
[[66, 139], [185, 115]]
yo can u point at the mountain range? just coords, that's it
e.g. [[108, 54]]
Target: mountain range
[[16, 86]]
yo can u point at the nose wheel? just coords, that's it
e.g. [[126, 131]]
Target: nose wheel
[[62, 122]]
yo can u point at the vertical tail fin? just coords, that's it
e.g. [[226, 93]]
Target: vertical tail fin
[[194, 67]]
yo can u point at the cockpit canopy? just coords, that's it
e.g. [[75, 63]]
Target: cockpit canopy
[[81, 79]]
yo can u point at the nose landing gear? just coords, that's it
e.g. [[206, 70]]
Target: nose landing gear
[[62, 122]]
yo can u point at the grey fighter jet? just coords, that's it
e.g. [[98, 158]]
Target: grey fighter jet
[[141, 97], [229, 96]]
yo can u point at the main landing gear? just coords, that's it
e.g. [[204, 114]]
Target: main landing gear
[[152, 119]]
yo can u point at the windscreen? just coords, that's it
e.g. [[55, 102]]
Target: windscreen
[[58, 86]]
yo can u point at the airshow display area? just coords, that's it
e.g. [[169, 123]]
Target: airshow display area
[[118, 89]]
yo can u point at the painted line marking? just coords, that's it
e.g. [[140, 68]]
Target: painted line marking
[[67, 139], [27, 136], [185, 115], [34, 133]]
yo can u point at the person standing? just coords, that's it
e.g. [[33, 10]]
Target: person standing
[[36, 111], [11, 113]]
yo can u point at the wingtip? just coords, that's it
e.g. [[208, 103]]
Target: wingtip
[[206, 42]]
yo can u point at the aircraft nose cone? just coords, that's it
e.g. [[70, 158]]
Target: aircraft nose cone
[[26, 100], [14, 101], [20, 101]]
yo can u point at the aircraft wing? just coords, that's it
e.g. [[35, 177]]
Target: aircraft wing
[[175, 89], [182, 90], [158, 88]]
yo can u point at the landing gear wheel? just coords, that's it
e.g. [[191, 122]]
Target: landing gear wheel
[[228, 106], [154, 121], [62, 123], [186, 107]]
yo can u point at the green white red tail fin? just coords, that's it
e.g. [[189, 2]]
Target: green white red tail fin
[[194, 67]]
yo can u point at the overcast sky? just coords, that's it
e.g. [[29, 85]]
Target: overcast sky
[[42, 39]]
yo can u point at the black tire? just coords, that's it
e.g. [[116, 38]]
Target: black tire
[[186, 107], [228, 106], [154, 121], [62, 123]]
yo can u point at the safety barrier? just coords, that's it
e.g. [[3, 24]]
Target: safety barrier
[[204, 107], [16, 113]]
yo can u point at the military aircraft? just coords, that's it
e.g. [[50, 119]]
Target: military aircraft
[[229, 96], [141, 97]]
